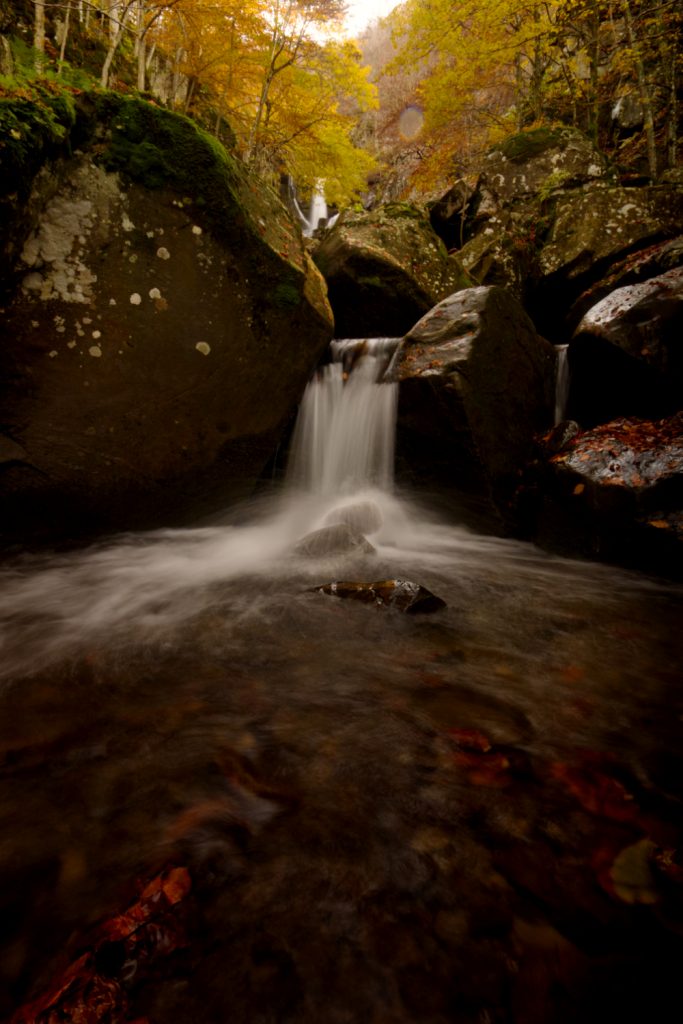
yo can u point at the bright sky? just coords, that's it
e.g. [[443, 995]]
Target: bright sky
[[363, 11]]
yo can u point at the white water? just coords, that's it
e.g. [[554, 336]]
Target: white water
[[135, 589], [561, 382], [344, 437], [317, 210]]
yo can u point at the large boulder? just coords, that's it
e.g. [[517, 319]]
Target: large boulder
[[164, 319], [539, 161], [384, 269], [627, 352], [477, 382], [616, 492]]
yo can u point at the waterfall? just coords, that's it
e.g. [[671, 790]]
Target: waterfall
[[561, 382], [317, 210], [344, 434]]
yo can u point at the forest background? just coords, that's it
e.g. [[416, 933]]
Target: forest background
[[409, 106]]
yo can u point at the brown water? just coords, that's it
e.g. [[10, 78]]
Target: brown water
[[384, 818], [226, 797]]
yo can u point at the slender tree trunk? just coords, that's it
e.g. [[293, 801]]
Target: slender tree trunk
[[39, 31], [643, 89], [65, 35], [114, 42]]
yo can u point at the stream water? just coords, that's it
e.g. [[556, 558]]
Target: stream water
[[471, 816]]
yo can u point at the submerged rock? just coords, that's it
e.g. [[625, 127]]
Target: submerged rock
[[384, 269], [165, 319], [339, 539], [363, 516], [400, 594]]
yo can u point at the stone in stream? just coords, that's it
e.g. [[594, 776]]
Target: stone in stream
[[363, 516], [404, 595], [339, 539]]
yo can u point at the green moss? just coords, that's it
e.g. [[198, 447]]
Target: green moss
[[370, 282], [159, 149], [287, 295], [526, 145], [33, 125]]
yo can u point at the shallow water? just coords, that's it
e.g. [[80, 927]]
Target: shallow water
[[384, 818]]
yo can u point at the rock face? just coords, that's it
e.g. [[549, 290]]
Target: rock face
[[539, 161], [164, 324], [616, 492], [627, 352], [384, 269], [477, 384]]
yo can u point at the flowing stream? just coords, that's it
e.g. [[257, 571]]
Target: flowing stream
[[472, 816]]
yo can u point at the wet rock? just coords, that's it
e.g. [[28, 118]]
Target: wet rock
[[626, 356], [592, 228], [616, 492], [384, 269], [477, 382], [636, 267], [339, 539], [148, 353], [400, 594], [363, 516]]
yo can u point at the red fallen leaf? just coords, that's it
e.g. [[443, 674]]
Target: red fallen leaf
[[597, 792], [470, 739], [148, 929], [484, 769], [81, 996]]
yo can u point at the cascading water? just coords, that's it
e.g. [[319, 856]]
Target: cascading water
[[317, 210], [316, 773], [561, 382], [344, 436]]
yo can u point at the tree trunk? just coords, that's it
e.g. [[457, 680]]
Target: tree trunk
[[643, 89], [39, 31], [65, 35]]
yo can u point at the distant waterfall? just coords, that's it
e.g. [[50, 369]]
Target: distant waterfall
[[344, 435], [561, 382], [317, 210]]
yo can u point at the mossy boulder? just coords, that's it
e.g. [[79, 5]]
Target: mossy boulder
[[163, 319], [539, 161], [385, 269], [477, 383]]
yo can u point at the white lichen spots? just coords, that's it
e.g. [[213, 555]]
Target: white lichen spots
[[97, 334], [202, 347], [150, 234], [71, 344], [34, 323], [163, 253], [66, 223], [95, 351], [60, 330], [80, 332], [87, 319], [127, 223], [53, 353], [154, 293], [32, 282], [196, 230], [112, 302], [135, 299], [133, 258]]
